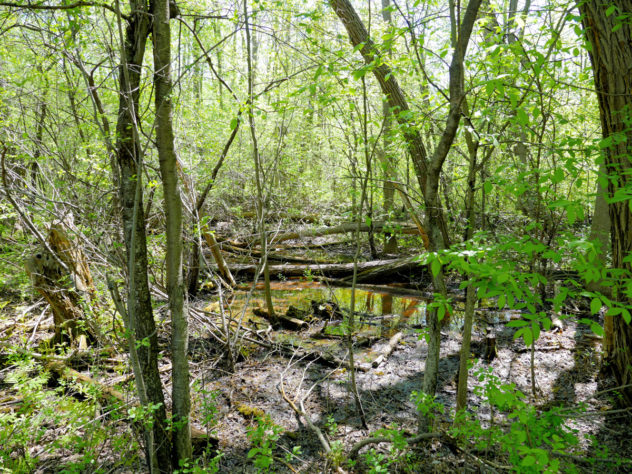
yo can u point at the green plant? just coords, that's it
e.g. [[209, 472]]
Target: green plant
[[398, 457], [331, 426], [376, 461], [206, 464], [426, 405], [209, 408], [531, 439], [50, 418], [336, 455], [263, 437]]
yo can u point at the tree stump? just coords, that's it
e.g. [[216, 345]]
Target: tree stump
[[61, 278]]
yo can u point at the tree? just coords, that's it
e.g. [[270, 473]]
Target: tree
[[428, 169], [173, 210], [129, 156], [608, 30]]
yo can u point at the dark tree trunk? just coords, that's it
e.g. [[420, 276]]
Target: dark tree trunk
[[129, 160], [394, 95], [610, 48]]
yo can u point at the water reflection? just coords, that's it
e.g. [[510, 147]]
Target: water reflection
[[377, 312]]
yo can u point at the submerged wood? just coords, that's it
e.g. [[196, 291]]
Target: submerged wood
[[282, 320], [367, 271]]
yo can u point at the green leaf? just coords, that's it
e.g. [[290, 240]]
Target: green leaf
[[558, 176], [626, 316], [501, 301], [503, 277], [435, 267], [535, 327], [490, 87], [518, 323], [614, 311], [487, 187], [522, 116], [440, 312], [527, 335], [610, 10], [528, 461], [595, 305], [597, 329], [233, 123]]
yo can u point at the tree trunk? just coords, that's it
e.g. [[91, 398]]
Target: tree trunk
[[394, 95], [428, 171], [600, 233], [388, 160], [129, 160], [251, 56], [610, 47], [173, 211]]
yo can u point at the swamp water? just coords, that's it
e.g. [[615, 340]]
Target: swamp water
[[380, 311]]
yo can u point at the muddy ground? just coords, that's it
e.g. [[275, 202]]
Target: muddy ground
[[566, 361], [567, 364]]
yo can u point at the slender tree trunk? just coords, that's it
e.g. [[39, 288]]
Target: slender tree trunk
[[388, 160], [610, 47], [173, 211], [600, 233], [258, 172], [129, 161], [428, 170], [470, 298]]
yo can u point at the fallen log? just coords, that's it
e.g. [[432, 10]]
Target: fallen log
[[281, 320], [387, 350], [277, 257], [405, 291], [376, 226], [409, 266], [367, 271]]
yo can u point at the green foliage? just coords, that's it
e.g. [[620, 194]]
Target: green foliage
[[398, 458], [209, 463], [263, 437], [209, 408], [426, 405], [337, 455], [52, 421], [532, 438]]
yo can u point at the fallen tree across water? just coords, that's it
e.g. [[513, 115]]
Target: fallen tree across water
[[375, 270], [376, 226]]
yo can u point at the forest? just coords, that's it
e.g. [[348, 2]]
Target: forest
[[300, 236]]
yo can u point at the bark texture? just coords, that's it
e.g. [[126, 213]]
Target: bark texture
[[129, 161], [610, 48], [173, 211]]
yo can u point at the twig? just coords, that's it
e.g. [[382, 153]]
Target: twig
[[355, 450], [36, 325]]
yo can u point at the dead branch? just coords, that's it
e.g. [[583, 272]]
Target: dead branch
[[388, 350], [355, 450]]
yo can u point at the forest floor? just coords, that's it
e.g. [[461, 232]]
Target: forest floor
[[566, 363]]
